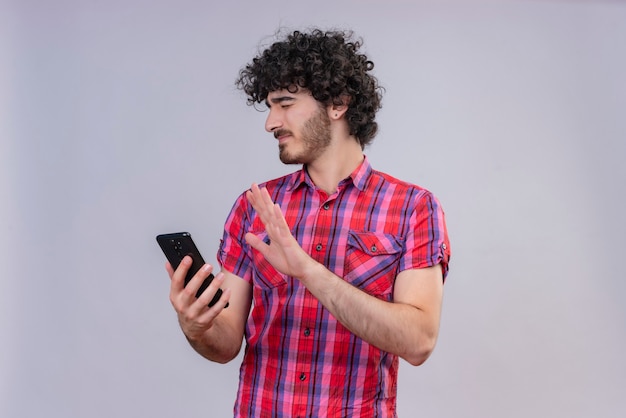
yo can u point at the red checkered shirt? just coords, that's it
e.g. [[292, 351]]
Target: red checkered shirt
[[299, 360]]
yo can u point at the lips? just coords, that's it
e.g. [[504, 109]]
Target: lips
[[282, 134]]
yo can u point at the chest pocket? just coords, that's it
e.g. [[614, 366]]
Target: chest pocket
[[266, 277], [371, 262]]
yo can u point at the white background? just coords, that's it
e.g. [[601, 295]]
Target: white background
[[120, 120]]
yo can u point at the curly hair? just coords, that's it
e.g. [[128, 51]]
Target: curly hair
[[329, 65]]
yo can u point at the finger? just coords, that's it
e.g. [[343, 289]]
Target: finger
[[256, 242], [265, 197], [209, 293], [255, 197], [196, 281], [262, 198], [187, 296], [169, 268], [225, 298], [263, 202], [269, 212], [260, 204], [275, 222], [210, 314], [178, 283], [280, 218], [178, 276], [255, 192], [252, 196]]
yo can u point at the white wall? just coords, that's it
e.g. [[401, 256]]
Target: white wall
[[120, 121]]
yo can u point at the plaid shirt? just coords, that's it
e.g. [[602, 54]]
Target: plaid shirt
[[299, 360]]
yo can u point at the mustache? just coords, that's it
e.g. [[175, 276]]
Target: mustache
[[281, 132]]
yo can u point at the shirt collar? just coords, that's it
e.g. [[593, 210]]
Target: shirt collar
[[359, 177], [362, 174]]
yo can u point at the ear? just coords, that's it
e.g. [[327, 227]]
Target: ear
[[337, 110]]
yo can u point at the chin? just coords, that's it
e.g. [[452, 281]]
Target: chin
[[287, 158]]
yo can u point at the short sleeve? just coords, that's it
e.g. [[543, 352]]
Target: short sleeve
[[232, 254], [427, 242]]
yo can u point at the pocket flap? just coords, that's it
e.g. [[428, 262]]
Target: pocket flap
[[374, 243]]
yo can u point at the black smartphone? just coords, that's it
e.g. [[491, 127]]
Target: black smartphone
[[175, 247]]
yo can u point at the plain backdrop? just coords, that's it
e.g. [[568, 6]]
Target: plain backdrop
[[120, 121]]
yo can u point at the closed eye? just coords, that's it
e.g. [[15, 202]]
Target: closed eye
[[283, 101]]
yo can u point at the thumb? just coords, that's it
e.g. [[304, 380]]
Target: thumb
[[255, 242]]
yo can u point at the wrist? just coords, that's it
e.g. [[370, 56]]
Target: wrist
[[194, 335], [313, 271]]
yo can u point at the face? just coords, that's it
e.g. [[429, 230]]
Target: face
[[300, 124]]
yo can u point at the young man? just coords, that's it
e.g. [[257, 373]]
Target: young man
[[332, 272]]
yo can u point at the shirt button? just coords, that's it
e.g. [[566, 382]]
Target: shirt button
[[374, 248], [307, 332], [302, 377], [318, 247], [326, 206]]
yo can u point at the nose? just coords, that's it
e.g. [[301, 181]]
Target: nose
[[272, 122]]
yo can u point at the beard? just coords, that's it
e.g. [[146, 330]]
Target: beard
[[315, 138]]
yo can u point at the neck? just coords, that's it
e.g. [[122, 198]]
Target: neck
[[337, 163]]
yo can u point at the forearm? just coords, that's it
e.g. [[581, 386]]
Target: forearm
[[399, 328], [220, 343], [408, 327]]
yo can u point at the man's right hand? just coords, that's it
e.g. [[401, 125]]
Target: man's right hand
[[194, 315]]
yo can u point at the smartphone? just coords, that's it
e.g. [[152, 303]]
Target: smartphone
[[175, 247]]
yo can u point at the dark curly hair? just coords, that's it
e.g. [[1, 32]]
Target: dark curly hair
[[329, 65]]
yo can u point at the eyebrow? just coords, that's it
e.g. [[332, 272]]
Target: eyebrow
[[278, 100]]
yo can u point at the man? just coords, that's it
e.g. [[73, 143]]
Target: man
[[332, 272]]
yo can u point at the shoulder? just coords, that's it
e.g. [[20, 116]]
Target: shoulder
[[276, 187], [286, 181], [382, 181]]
